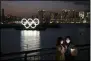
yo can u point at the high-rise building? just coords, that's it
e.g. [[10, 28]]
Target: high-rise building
[[47, 16], [88, 17], [82, 14], [88, 14], [77, 14], [68, 16], [3, 16], [41, 15], [52, 15]]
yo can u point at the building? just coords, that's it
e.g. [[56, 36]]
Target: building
[[82, 14], [3, 16], [41, 15], [88, 17], [52, 17], [47, 16], [88, 14]]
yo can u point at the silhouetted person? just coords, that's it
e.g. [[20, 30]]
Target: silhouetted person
[[60, 49], [71, 50]]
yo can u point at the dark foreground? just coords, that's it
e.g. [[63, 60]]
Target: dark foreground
[[45, 54]]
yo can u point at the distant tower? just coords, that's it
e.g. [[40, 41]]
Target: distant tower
[[41, 15], [3, 16]]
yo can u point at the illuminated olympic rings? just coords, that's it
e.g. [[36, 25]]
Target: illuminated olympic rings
[[30, 22]]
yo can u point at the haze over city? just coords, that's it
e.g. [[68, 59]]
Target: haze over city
[[27, 8]]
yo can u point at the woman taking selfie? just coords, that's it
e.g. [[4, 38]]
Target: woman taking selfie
[[71, 51], [60, 53]]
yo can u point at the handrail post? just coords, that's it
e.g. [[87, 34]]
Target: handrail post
[[25, 57]]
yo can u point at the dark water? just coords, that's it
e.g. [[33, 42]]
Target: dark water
[[15, 40]]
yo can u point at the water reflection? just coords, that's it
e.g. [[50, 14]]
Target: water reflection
[[30, 40]]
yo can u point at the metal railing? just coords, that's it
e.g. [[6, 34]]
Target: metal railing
[[39, 54]]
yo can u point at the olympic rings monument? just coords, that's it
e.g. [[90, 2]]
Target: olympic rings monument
[[30, 22]]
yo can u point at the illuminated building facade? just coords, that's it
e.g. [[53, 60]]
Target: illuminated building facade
[[63, 16]]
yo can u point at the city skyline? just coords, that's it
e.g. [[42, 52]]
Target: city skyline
[[27, 8]]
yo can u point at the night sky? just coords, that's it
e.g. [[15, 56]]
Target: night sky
[[27, 8]]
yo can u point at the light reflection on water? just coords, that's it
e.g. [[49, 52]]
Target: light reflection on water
[[16, 40], [19, 40], [30, 40]]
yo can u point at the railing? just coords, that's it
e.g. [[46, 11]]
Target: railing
[[39, 54]]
